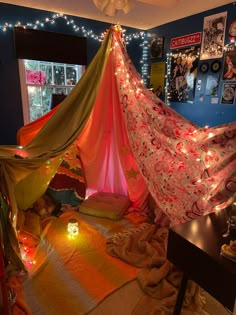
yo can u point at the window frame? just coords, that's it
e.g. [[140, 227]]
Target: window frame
[[24, 86]]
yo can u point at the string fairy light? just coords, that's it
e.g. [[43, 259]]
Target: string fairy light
[[167, 78], [86, 33], [144, 60]]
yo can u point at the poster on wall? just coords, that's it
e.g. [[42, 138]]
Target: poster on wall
[[183, 73], [229, 71], [157, 78], [213, 36], [212, 84], [35, 77], [228, 93], [185, 40], [156, 47]]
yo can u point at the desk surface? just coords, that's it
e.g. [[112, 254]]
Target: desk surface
[[195, 246]]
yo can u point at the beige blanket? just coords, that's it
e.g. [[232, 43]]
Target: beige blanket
[[145, 247], [74, 276]]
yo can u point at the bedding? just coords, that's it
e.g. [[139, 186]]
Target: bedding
[[106, 205], [145, 247], [113, 267], [68, 186], [29, 228], [30, 222], [74, 276]]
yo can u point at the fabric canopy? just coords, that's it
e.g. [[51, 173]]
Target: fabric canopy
[[129, 141]]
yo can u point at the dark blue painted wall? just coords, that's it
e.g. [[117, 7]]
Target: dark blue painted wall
[[200, 112], [10, 96]]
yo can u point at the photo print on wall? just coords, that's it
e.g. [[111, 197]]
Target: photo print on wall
[[228, 93], [183, 73], [229, 71], [213, 36], [212, 84], [156, 47], [157, 78]]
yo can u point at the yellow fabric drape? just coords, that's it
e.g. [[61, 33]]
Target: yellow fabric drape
[[26, 172], [55, 137]]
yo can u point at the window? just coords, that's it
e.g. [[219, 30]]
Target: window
[[40, 80]]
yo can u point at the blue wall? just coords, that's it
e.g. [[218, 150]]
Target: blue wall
[[200, 112], [10, 97]]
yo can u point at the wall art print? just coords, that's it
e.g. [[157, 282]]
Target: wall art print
[[229, 71], [213, 36], [157, 78], [156, 47], [228, 93], [183, 73], [212, 84], [35, 77]]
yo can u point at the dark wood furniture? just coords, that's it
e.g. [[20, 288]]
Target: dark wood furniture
[[4, 301], [194, 247]]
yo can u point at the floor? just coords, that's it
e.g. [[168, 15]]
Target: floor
[[131, 294], [213, 307]]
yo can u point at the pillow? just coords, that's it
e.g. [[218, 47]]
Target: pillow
[[106, 205], [45, 206]]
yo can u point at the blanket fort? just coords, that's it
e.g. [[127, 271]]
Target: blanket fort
[[129, 141]]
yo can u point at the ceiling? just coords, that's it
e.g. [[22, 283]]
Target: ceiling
[[146, 14]]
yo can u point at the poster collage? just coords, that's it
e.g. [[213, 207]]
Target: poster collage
[[198, 62]]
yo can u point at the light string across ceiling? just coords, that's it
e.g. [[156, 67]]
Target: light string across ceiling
[[89, 34]]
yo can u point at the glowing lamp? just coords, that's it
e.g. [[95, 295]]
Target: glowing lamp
[[72, 228]]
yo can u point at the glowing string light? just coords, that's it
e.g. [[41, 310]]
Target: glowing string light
[[89, 34]]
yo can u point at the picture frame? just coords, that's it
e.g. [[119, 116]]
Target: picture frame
[[213, 36], [156, 47]]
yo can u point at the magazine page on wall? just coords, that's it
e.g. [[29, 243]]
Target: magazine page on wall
[[229, 71], [183, 74], [213, 36]]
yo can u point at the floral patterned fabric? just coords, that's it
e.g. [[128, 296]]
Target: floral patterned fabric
[[190, 171]]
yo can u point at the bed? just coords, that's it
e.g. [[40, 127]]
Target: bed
[[114, 266]]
